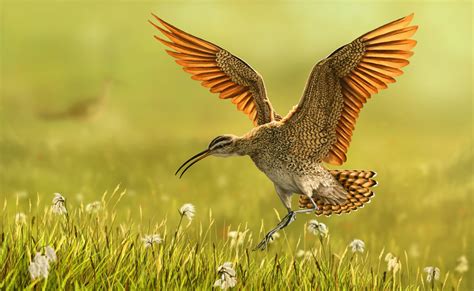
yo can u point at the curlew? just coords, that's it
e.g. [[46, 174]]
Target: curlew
[[83, 109], [292, 150]]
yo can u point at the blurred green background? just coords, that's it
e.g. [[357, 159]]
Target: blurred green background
[[417, 135]]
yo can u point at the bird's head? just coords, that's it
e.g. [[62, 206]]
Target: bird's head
[[222, 146]]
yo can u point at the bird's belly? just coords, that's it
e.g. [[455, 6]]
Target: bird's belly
[[282, 178], [295, 176]]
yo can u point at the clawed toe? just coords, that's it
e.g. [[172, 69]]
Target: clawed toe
[[264, 243]]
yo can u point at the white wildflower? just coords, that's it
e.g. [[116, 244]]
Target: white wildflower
[[227, 276], [432, 273], [59, 204], [357, 246], [233, 234], [151, 239], [317, 228], [58, 198], [237, 238], [300, 253], [39, 267], [34, 270], [388, 257], [463, 265], [393, 263], [50, 254], [93, 207], [187, 210], [20, 218]]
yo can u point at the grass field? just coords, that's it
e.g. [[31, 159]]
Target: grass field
[[417, 136], [95, 250]]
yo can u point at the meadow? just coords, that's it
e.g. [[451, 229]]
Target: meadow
[[417, 136]]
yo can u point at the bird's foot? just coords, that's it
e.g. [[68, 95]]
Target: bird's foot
[[289, 218]]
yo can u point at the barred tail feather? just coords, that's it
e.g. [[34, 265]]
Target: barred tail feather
[[356, 183]]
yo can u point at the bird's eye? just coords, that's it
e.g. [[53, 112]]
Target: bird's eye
[[221, 144], [220, 141], [216, 141]]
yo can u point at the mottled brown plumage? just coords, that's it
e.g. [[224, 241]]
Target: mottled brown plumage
[[291, 150]]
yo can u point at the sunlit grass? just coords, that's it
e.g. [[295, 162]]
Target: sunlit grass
[[94, 250]]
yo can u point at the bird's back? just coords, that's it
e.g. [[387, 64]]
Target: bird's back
[[281, 155]]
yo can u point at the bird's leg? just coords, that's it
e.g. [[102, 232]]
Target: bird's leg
[[289, 218], [309, 210]]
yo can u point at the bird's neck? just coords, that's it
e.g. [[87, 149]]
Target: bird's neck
[[246, 145]]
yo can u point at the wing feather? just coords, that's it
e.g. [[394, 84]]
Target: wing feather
[[220, 71], [232, 92], [341, 84]]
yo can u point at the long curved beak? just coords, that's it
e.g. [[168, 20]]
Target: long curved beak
[[194, 159]]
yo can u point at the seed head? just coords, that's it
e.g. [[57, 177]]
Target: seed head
[[20, 218], [237, 238], [357, 246], [393, 263], [93, 207], [317, 228], [150, 239], [187, 210], [59, 204], [58, 198], [432, 273], [388, 257], [463, 265], [34, 270], [39, 267], [50, 254], [227, 276]]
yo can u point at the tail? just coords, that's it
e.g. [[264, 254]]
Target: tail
[[356, 183]]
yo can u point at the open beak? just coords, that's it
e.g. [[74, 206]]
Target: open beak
[[194, 159]]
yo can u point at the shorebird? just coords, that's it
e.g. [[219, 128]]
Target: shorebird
[[292, 150], [83, 109]]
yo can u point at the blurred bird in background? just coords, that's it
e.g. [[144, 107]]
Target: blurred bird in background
[[84, 109]]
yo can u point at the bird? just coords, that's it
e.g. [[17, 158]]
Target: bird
[[83, 109], [293, 150]]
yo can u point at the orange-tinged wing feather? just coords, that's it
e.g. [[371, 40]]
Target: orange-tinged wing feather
[[220, 71], [387, 49], [340, 85]]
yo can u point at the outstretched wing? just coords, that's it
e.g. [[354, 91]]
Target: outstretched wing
[[339, 86], [220, 71]]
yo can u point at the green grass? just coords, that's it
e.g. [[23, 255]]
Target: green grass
[[96, 251]]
